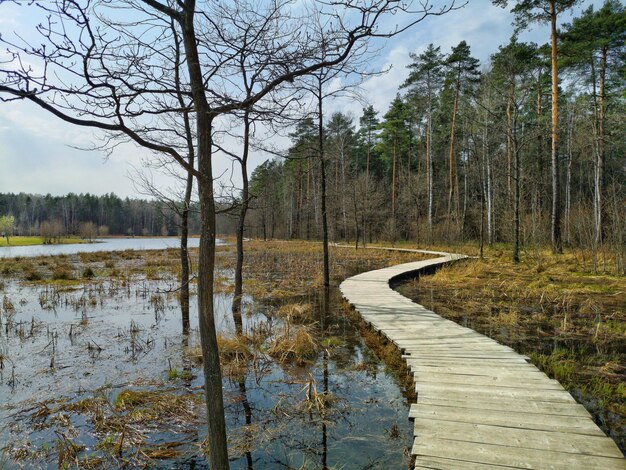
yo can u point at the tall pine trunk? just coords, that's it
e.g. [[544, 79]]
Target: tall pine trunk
[[451, 156], [429, 168], [600, 178], [557, 243]]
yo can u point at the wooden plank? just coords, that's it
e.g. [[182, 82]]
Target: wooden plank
[[439, 463], [490, 381], [513, 419], [514, 437], [537, 393], [488, 370], [472, 355], [555, 396], [428, 341], [480, 404], [512, 456], [480, 346], [436, 369], [509, 404]]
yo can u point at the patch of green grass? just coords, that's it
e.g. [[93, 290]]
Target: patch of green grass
[[31, 241], [174, 374]]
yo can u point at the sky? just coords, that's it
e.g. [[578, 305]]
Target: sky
[[41, 154]]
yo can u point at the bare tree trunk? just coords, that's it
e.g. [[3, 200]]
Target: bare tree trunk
[[517, 197], [264, 219], [557, 244], [366, 207], [516, 216], [245, 196], [308, 199], [568, 177], [537, 196], [323, 182], [184, 252], [393, 189], [356, 217], [184, 216], [482, 211], [465, 188], [457, 206], [600, 179], [218, 449], [343, 195], [429, 168], [487, 185], [299, 202], [509, 150]]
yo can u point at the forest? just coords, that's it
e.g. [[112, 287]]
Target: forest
[[463, 152], [107, 214]]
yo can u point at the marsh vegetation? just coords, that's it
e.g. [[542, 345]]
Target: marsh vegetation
[[95, 370]]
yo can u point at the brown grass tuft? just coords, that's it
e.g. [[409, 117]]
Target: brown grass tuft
[[294, 346]]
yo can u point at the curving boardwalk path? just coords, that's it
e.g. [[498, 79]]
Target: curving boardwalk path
[[480, 404]]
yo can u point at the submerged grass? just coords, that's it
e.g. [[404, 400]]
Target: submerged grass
[[294, 345], [283, 275]]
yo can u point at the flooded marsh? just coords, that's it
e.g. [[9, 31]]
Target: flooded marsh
[[95, 371]]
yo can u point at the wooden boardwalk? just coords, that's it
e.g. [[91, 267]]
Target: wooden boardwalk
[[480, 405]]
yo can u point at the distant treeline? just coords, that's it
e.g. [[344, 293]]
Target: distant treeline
[[90, 215]]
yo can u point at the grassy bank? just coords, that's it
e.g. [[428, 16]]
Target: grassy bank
[[30, 241]]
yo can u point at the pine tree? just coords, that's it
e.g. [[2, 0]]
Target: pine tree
[[542, 11], [394, 138], [512, 68], [368, 138], [425, 80], [462, 74], [594, 42]]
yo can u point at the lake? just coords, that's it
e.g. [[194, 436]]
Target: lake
[[106, 244]]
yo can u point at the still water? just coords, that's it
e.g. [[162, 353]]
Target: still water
[[107, 244], [71, 353]]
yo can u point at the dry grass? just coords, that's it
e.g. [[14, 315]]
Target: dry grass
[[568, 298], [296, 344], [230, 348], [122, 427], [281, 270], [296, 312], [544, 300]]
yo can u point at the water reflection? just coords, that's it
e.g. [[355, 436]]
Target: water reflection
[[94, 342]]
